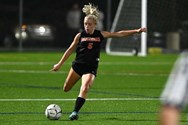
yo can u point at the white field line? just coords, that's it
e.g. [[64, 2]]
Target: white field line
[[90, 99], [101, 63], [65, 72], [26, 63], [31, 71]]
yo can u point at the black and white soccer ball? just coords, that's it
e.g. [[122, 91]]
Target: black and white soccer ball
[[53, 112]]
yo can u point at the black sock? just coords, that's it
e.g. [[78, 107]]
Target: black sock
[[79, 103]]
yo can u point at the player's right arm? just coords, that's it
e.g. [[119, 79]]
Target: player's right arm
[[67, 53]]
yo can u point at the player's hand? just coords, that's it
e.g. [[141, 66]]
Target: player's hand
[[56, 67], [142, 30]]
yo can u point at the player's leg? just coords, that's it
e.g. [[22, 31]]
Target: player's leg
[[174, 95], [169, 115], [87, 81], [71, 80]]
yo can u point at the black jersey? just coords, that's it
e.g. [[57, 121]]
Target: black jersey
[[88, 49]]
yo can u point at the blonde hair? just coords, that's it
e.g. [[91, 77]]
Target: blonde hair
[[91, 12]]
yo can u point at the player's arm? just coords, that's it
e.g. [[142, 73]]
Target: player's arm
[[67, 53], [122, 33]]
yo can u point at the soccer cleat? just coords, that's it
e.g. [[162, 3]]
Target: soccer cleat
[[74, 116]]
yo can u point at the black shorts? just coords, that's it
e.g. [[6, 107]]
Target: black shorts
[[82, 69]]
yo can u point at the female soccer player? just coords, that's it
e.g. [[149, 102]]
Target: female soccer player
[[87, 44]]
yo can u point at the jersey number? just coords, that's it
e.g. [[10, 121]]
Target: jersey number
[[90, 46]]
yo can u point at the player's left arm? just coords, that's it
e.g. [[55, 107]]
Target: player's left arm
[[122, 33]]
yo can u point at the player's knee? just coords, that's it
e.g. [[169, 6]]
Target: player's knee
[[66, 88], [85, 89]]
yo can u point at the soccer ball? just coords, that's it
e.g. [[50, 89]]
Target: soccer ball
[[53, 112]]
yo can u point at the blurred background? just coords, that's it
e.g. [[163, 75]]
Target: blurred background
[[52, 24]]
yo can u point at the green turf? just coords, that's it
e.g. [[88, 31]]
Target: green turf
[[27, 76]]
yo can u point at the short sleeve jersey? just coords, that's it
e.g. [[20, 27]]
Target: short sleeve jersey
[[88, 49]]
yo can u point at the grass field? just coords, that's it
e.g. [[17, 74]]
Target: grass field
[[126, 90]]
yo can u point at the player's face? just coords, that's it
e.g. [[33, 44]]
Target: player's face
[[89, 25]]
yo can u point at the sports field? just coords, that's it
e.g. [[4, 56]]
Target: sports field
[[125, 92]]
